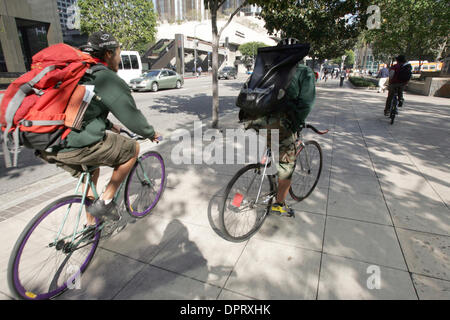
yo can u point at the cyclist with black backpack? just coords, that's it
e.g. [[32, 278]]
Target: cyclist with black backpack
[[288, 119], [400, 74]]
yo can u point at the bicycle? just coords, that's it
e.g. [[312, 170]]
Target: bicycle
[[55, 248], [394, 107], [247, 204]]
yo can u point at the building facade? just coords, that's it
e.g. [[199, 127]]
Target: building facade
[[70, 23], [26, 27], [364, 60], [194, 10]]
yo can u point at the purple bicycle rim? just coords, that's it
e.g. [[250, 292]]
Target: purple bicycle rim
[[140, 214], [48, 295]]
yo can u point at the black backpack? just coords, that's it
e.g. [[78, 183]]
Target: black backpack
[[405, 73], [265, 90]]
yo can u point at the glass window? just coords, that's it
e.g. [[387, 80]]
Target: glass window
[[32, 37], [3, 67], [126, 62], [172, 73], [134, 61], [152, 74], [164, 73]]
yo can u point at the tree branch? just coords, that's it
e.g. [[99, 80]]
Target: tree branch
[[232, 16]]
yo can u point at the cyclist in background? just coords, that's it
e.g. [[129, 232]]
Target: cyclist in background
[[400, 74], [300, 94], [92, 146]]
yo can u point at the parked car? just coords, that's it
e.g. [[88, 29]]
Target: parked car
[[157, 79], [228, 73]]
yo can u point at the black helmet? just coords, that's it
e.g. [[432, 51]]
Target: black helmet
[[287, 41], [99, 42], [401, 59]]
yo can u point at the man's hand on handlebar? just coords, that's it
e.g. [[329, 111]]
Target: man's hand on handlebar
[[116, 128], [157, 138]]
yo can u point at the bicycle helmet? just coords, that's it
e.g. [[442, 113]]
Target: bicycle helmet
[[287, 41]]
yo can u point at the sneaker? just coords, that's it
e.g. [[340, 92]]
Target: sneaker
[[280, 209], [101, 210], [386, 113]]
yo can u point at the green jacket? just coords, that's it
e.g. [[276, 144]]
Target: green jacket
[[115, 97], [300, 96]]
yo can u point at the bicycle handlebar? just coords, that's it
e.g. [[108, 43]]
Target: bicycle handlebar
[[308, 126], [135, 136]]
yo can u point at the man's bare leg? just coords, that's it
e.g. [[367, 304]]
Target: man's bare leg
[[283, 190], [90, 194], [119, 175]]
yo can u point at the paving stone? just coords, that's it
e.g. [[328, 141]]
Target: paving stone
[[426, 254], [371, 243], [365, 207], [194, 253], [267, 270], [347, 279], [156, 284], [431, 289]]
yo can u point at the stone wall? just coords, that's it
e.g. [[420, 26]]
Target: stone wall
[[432, 86]]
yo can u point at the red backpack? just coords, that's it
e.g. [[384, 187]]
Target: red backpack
[[39, 109]]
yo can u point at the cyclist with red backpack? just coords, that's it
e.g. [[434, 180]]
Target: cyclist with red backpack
[[400, 74], [92, 146]]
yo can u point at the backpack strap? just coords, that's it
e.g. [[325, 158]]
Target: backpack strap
[[96, 67], [11, 110]]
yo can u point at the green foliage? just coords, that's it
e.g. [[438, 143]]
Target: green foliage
[[330, 26], [362, 82], [132, 22], [249, 51], [418, 29], [349, 59]]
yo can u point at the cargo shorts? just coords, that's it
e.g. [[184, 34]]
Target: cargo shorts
[[112, 151], [287, 138]]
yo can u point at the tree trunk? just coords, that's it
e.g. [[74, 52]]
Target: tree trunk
[[215, 69]]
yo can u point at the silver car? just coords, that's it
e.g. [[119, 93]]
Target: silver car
[[154, 80]]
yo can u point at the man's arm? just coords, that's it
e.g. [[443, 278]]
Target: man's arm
[[117, 98]]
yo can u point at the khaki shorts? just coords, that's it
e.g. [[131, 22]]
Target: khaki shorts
[[112, 151], [287, 139]]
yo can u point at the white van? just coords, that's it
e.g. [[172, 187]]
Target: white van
[[130, 66]]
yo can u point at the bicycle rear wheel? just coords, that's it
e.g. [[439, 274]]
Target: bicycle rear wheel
[[240, 215], [46, 260], [393, 109], [145, 184], [307, 171]]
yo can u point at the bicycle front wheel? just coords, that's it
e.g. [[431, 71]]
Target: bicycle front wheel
[[308, 166], [145, 184], [53, 251], [243, 212]]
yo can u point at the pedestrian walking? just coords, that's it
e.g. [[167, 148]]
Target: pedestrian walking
[[382, 76]]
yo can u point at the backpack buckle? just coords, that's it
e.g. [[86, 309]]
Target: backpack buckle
[[26, 123]]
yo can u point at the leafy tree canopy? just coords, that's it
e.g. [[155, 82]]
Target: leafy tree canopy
[[132, 22], [418, 29], [330, 26]]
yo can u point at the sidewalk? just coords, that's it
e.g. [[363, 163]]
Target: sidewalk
[[382, 200]]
